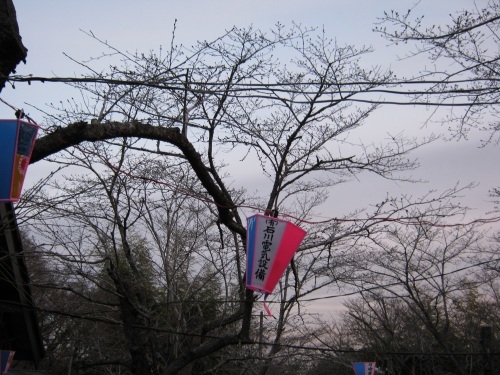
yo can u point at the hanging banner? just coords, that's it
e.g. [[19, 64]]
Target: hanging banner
[[271, 244], [364, 368], [17, 139]]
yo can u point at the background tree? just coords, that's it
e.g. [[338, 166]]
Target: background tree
[[122, 180], [465, 56], [159, 284], [422, 302], [148, 226]]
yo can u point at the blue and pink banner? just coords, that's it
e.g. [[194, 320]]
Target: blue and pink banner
[[17, 139], [364, 368], [271, 244]]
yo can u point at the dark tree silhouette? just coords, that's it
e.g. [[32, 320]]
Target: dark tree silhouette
[[12, 50]]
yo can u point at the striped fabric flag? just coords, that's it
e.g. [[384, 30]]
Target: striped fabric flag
[[5, 360], [17, 139]]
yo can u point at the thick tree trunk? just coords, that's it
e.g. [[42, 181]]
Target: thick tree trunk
[[137, 339], [135, 324], [12, 50]]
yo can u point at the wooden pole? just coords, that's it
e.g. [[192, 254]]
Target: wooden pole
[[261, 333]]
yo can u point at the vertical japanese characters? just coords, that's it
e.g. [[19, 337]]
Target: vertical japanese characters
[[267, 243]]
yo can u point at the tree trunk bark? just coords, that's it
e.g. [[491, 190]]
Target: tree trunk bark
[[12, 50]]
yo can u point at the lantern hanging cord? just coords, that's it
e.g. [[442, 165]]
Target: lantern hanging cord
[[266, 308], [19, 112], [275, 213]]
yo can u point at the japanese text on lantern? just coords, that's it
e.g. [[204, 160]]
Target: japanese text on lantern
[[267, 243], [370, 368]]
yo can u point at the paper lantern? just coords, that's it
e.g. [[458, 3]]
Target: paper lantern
[[6, 357], [17, 139], [271, 243], [364, 368]]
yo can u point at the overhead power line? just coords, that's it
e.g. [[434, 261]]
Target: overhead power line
[[341, 92], [323, 349]]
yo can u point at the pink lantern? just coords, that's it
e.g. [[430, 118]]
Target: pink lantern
[[17, 139], [271, 244]]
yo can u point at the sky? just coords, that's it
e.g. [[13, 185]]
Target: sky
[[53, 30]]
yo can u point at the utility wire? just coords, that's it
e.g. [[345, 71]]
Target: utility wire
[[255, 342], [269, 91]]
